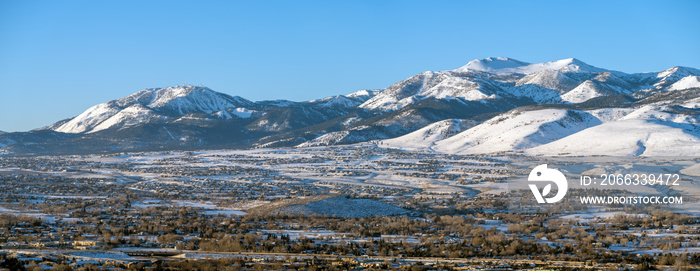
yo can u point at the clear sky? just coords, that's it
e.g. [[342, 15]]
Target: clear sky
[[57, 58]]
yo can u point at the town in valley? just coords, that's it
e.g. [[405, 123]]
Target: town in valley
[[335, 208]]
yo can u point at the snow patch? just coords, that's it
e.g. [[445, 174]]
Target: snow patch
[[690, 81]]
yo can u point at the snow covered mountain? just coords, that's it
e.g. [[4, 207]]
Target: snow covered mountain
[[350, 100], [441, 85], [517, 130], [690, 81], [428, 135], [488, 105], [504, 65], [661, 128], [154, 105], [642, 137], [563, 81]]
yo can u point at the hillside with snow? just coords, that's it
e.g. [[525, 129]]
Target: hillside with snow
[[632, 137], [646, 130], [428, 135], [518, 130], [488, 105], [152, 105], [505, 65]]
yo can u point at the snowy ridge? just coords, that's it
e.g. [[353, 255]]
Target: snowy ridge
[[428, 135], [504, 77], [441, 85], [668, 77], [89, 119], [690, 81], [517, 130], [184, 99], [350, 100], [649, 130], [132, 115], [326, 139], [641, 138], [587, 90], [155, 104], [488, 105], [504, 65], [239, 112]]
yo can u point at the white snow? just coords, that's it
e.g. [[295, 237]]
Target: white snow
[[678, 72], [645, 130], [350, 100], [135, 114], [583, 92], [693, 170], [89, 119], [440, 85], [543, 82], [455, 87], [544, 86], [240, 112], [428, 135], [690, 81], [325, 139], [674, 75], [633, 137], [144, 105], [363, 93], [185, 99], [517, 130], [549, 79], [504, 65]]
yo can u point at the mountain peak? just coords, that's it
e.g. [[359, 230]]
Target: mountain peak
[[492, 64], [191, 116], [505, 65], [167, 101], [678, 72], [690, 81], [573, 65], [572, 61], [184, 99]]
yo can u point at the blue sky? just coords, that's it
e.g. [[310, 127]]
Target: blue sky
[[57, 58]]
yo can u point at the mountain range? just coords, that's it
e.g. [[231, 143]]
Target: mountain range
[[489, 105]]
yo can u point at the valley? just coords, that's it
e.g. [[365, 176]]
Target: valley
[[344, 206]]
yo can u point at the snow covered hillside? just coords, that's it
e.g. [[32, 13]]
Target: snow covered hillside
[[563, 81], [488, 105], [428, 135], [517, 130], [648, 130], [155, 104], [633, 137]]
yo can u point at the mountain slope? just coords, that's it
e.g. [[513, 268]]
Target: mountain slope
[[641, 138], [427, 136], [647, 127], [350, 100], [156, 104], [690, 81], [504, 65], [493, 78], [517, 130], [518, 106]]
